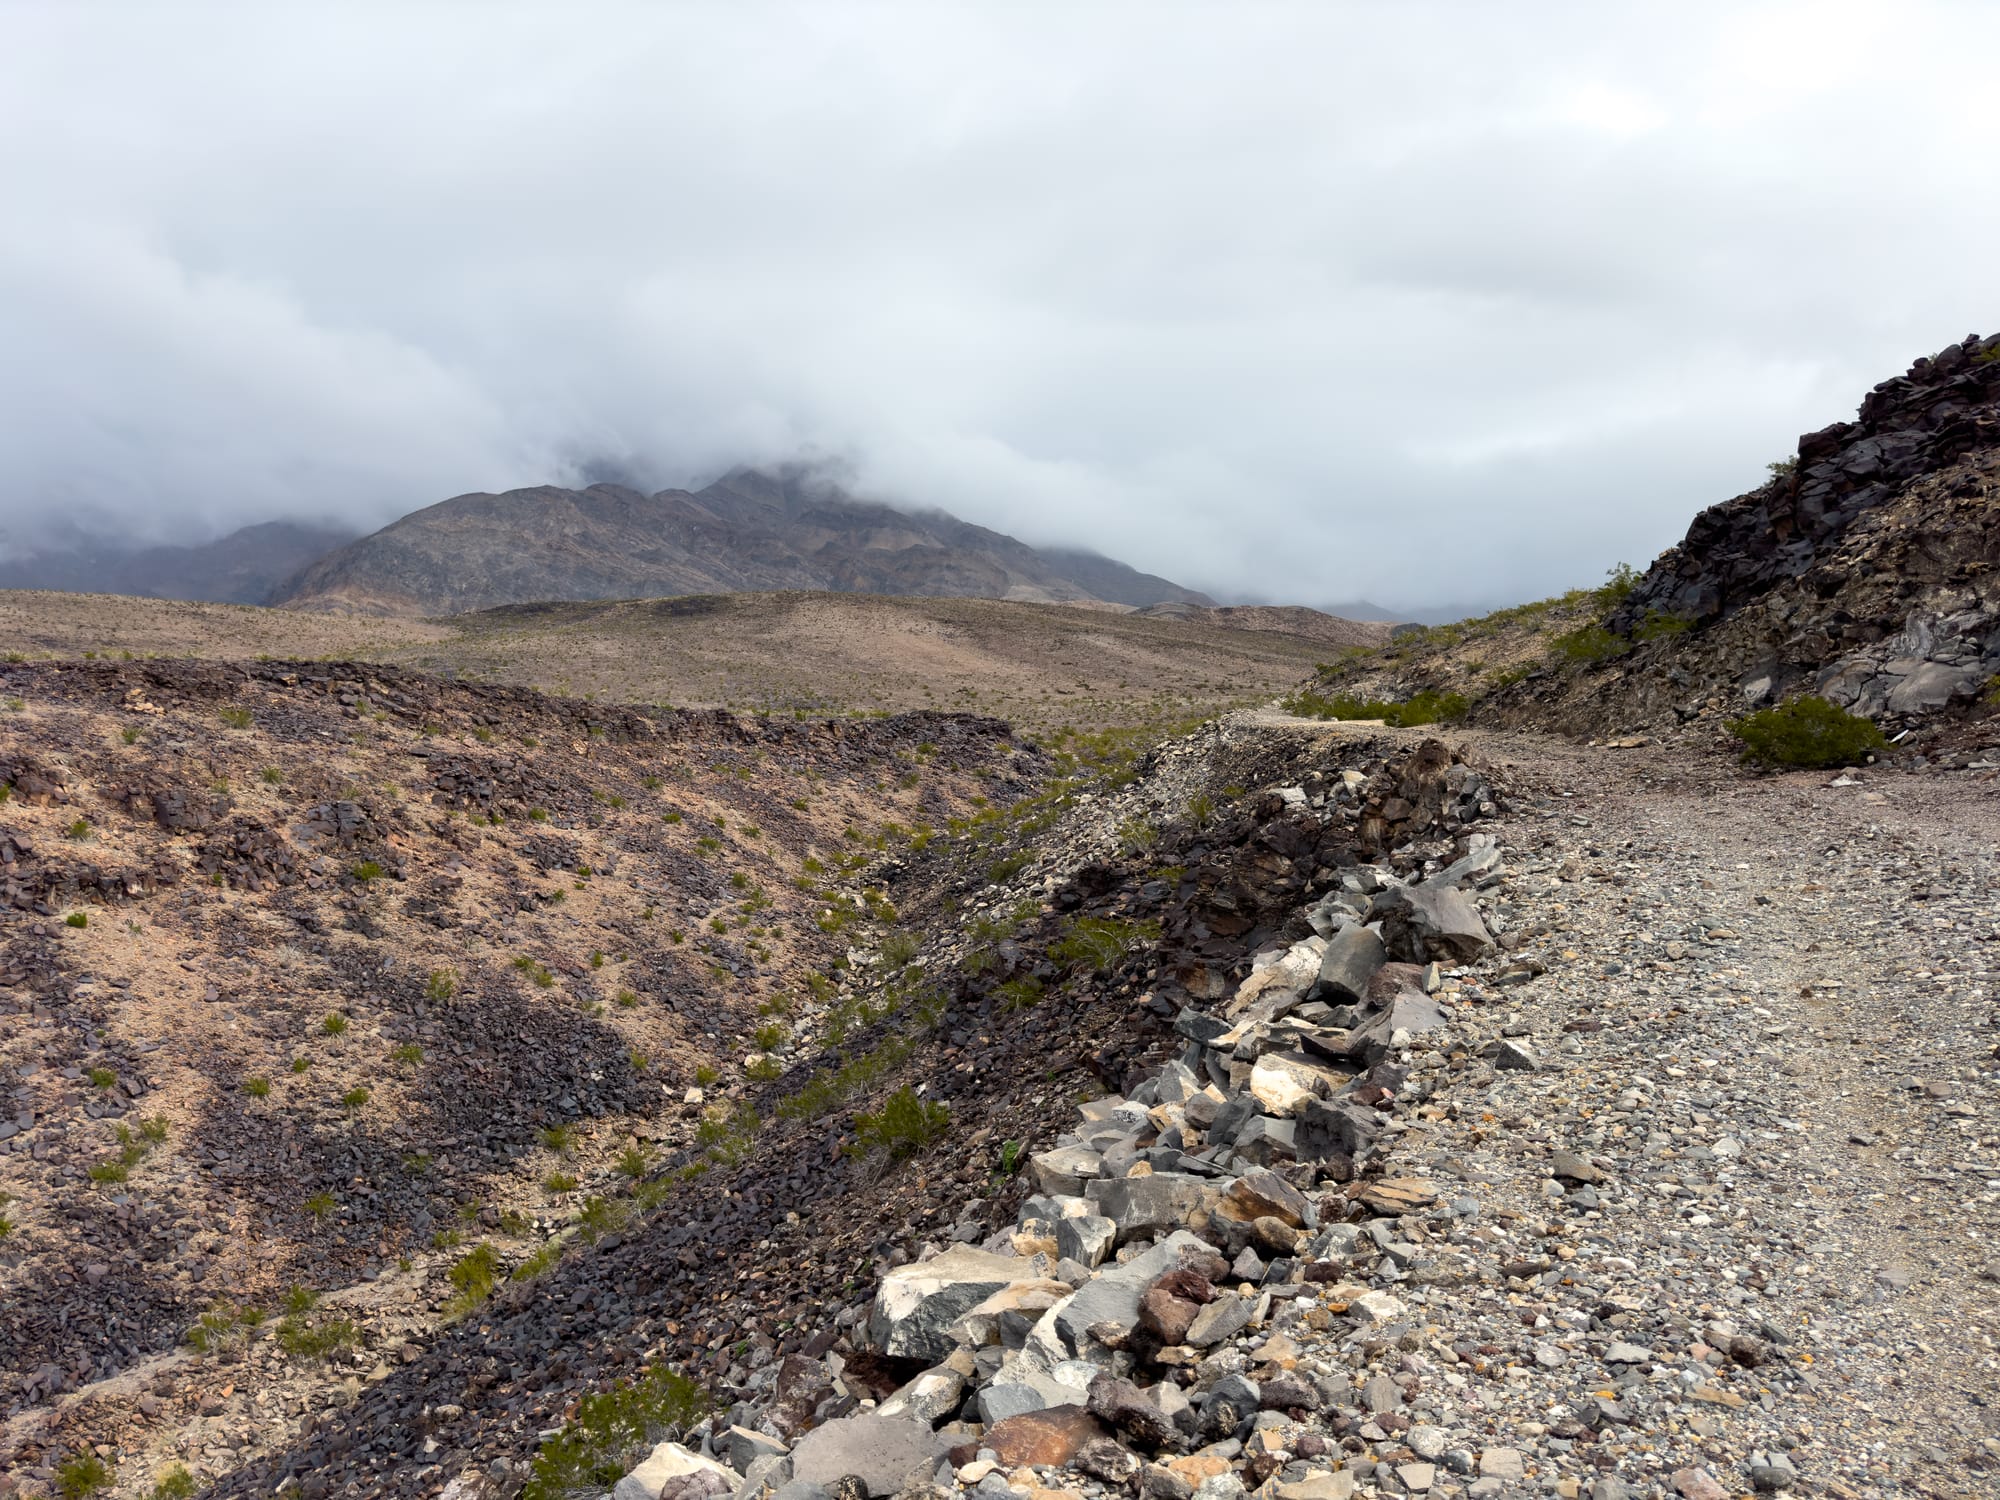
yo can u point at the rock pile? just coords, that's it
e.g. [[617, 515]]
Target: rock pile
[[1213, 1287]]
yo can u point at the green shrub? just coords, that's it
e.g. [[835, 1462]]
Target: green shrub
[[441, 986], [307, 1340], [1808, 732], [82, 1476], [354, 1098], [258, 1087], [1589, 646], [1099, 942], [368, 872], [408, 1052], [559, 1182], [321, 1206], [236, 718], [904, 1125], [76, 919], [102, 1078], [590, 1453], [273, 776], [1659, 624], [473, 1279], [634, 1163], [175, 1483], [333, 1023], [560, 1139]]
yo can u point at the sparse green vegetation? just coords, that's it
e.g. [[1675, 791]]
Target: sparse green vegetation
[[300, 1064], [1589, 646], [473, 1279], [407, 1052], [633, 1162], [590, 1454], [257, 1086], [76, 919], [1099, 943], [273, 776], [904, 1125], [559, 1182], [560, 1139], [174, 1483], [82, 1476], [236, 718], [1808, 732], [441, 986], [101, 1078], [367, 871], [321, 1206], [80, 829], [333, 1023]]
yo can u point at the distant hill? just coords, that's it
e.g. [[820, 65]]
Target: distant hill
[[749, 531], [244, 567]]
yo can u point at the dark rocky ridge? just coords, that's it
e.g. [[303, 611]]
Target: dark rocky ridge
[[747, 531]]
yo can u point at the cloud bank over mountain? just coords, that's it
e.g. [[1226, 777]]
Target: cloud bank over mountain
[[1432, 302]]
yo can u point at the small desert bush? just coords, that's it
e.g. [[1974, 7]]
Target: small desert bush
[[441, 986], [236, 718], [590, 1454], [1589, 646], [473, 1279], [82, 1476], [258, 1087], [1808, 732], [76, 919], [904, 1125], [333, 1023], [1099, 942]]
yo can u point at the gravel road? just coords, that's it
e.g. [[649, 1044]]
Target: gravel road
[[1767, 1019]]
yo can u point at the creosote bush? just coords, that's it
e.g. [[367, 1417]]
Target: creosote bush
[[1808, 732]]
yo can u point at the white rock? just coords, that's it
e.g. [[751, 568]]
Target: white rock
[[668, 1461]]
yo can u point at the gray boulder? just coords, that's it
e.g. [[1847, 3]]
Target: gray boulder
[[885, 1453], [1352, 956], [1430, 921]]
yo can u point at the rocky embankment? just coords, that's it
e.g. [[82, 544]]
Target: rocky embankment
[[1523, 1170]]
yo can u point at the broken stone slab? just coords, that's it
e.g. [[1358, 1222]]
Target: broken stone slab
[[1395, 1196], [672, 1461], [934, 1395], [1224, 1318], [982, 1324], [1352, 956], [1257, 1195], [1022, 1386], [1112, 1296], [1154, 1204], [1283, 1083], [1087, 1239], [1336, 1484], [1430, 921], [1064, 1170], [1264, 1140], [916, 1305], [1337, 1127], [885, 1453], [1284, 978]]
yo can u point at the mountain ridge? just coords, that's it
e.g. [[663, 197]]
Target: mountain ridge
[[750, 530]]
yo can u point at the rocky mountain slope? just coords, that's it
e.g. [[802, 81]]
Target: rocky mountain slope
[[748, 531], [1866, 571], [245, 567]]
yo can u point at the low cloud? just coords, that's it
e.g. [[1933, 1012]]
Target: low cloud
[[1424, 303]]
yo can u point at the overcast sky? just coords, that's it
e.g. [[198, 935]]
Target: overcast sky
[[1418, 302]]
